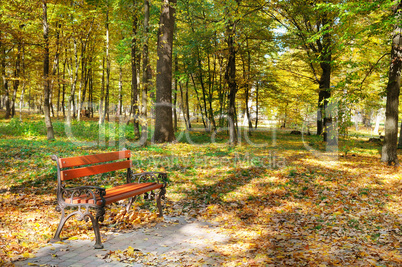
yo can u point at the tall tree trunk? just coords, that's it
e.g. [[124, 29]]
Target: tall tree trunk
[[46, 83], [134, 85], [176, 69], [323, 100], [324, 116], [188, 106], [230, 76], [56, 68], [145, 78], [90, 90], [221, 94], [23, 82], [389, 150], [120, 103], [73, 79], [257, 89], [199, 102], [183, 106], [163, 106], [83, 80], [211, 85], [64, 88], [204, 98], [17, 72], [246, 78], [102, 95], [5, 83], [107, 67]]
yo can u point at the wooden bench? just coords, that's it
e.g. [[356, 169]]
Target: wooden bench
[[84, 198]]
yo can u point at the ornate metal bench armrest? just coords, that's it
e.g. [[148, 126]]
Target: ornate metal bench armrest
[[89, 191], [143, 177]]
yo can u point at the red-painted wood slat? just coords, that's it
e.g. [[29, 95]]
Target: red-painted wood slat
[[93, 159]]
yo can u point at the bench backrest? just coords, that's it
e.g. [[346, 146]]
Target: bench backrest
[[79, 166]]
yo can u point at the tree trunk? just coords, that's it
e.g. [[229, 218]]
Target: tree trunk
[[324, 116], [145, 78], [323, 100], [5, 83], [389, 150], [91, 91], [134, 85], [188, 106], [46, 84], [107, 68], [64, 88], [163, 106], [246, 78], [81, 93], [102, 95], [230, 76], [176, 66], [120, 103], [183, 107], [24, 81], [257, 89], [73, 79], [211, 83], [16, 82], [199, 102]]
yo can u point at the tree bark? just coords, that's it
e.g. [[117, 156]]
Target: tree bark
[[120, 103], [5, 82], [24, 81], [102, 94], [73, 79], [46, 82], [107, 84], [324, 118], [163, 106], [145, 78], [187, 106], [134, 85], [257, 91], [17, 72], [176, 68], [389, 150], [230, 76]]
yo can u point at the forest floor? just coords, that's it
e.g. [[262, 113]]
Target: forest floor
[[280, 198]]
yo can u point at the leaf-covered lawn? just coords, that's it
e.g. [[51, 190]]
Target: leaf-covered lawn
[[279, 203]]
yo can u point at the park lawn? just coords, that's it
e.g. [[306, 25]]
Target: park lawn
[[278, 202]]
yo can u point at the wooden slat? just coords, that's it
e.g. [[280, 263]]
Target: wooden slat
[[93, 159], [118, 193], [133, 193], [86, 171], [121, 189]]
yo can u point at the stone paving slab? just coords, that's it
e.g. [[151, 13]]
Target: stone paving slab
[[175, 235]]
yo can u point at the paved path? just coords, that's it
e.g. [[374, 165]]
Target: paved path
[[170, 243]]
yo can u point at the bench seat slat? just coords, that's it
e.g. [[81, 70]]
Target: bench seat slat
[[118, 193], [93, 159], [91, 170], [136, 192]]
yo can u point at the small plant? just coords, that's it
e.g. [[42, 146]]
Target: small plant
[[292, 173]]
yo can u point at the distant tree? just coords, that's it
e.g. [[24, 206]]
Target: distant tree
[[46, 80]]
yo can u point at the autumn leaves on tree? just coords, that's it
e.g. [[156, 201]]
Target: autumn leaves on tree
[[217, 65]]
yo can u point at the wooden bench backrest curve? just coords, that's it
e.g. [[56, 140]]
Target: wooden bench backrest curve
[[93, 159], [97, 197]]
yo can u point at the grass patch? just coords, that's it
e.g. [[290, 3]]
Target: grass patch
[[282, 211]]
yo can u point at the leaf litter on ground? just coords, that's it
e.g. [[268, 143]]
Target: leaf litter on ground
[[308, 211]]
